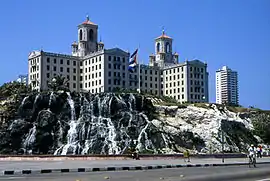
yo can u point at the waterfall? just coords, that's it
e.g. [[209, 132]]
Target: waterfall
[[106, 124], [51, 99], [30, 139], [71, 104], [24, 99]]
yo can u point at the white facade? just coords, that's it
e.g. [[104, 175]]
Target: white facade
[[226, 86], [94, 69]]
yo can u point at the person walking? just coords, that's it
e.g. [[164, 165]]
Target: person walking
[[186, 156]]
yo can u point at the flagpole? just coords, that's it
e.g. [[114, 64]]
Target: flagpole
[[139, 89]]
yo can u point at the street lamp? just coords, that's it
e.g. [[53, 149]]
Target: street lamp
[[222, 143]]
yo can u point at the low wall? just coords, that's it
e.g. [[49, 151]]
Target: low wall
[[112, 157]]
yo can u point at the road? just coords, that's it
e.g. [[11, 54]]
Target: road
[[180, 174], [34, 165]]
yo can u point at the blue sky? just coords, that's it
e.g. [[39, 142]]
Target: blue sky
[[221, 32]]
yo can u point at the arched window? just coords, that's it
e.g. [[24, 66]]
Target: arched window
[[158, 47], [168, 47], [80, 34], [91, 35]]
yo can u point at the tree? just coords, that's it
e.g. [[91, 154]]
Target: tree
[[261, 123], [58, 83]]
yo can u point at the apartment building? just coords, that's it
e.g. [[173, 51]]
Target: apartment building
[[227, 86], [92, 68]]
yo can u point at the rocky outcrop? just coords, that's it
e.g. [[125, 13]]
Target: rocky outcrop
[[109, 123]]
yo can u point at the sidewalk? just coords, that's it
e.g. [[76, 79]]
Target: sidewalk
[[38, 167]]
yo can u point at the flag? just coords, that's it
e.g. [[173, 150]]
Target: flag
[[133, 61]]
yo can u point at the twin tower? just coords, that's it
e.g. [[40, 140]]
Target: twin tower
[[88, 43]]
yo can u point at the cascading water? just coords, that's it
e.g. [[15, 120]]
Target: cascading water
[[107, 123]]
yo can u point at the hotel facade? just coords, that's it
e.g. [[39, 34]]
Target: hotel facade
[[92, 68]]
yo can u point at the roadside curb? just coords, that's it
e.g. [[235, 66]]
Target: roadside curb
[[127, 168]]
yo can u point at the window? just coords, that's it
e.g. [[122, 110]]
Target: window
[[190, 68], [48, 67], [91, 35], [86, 77], [81, 71], [85, 70], [158, 47], [54, 60], [109, 65], [61, 69], [109, 74], [81, 78], [110, 58], [156, 79], [182, 96], [145, 71], [74, 78], [68, 77], [48, 75], [124, 60], [182, 89], [74, 70], [80, 34], [67, 69], [150, 78], [150, 72], [74, 85], [99, 66], [191, 82], [191, 89], [190, 74], [202, 76], [67, 62], [80, 86], [99, 74], [54, 68], [99, 82], [191, 96], [123, 67], [74, 63], [61, 61], [48, 60]]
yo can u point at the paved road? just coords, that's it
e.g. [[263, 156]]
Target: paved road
[[181, 174], [34, 165]]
